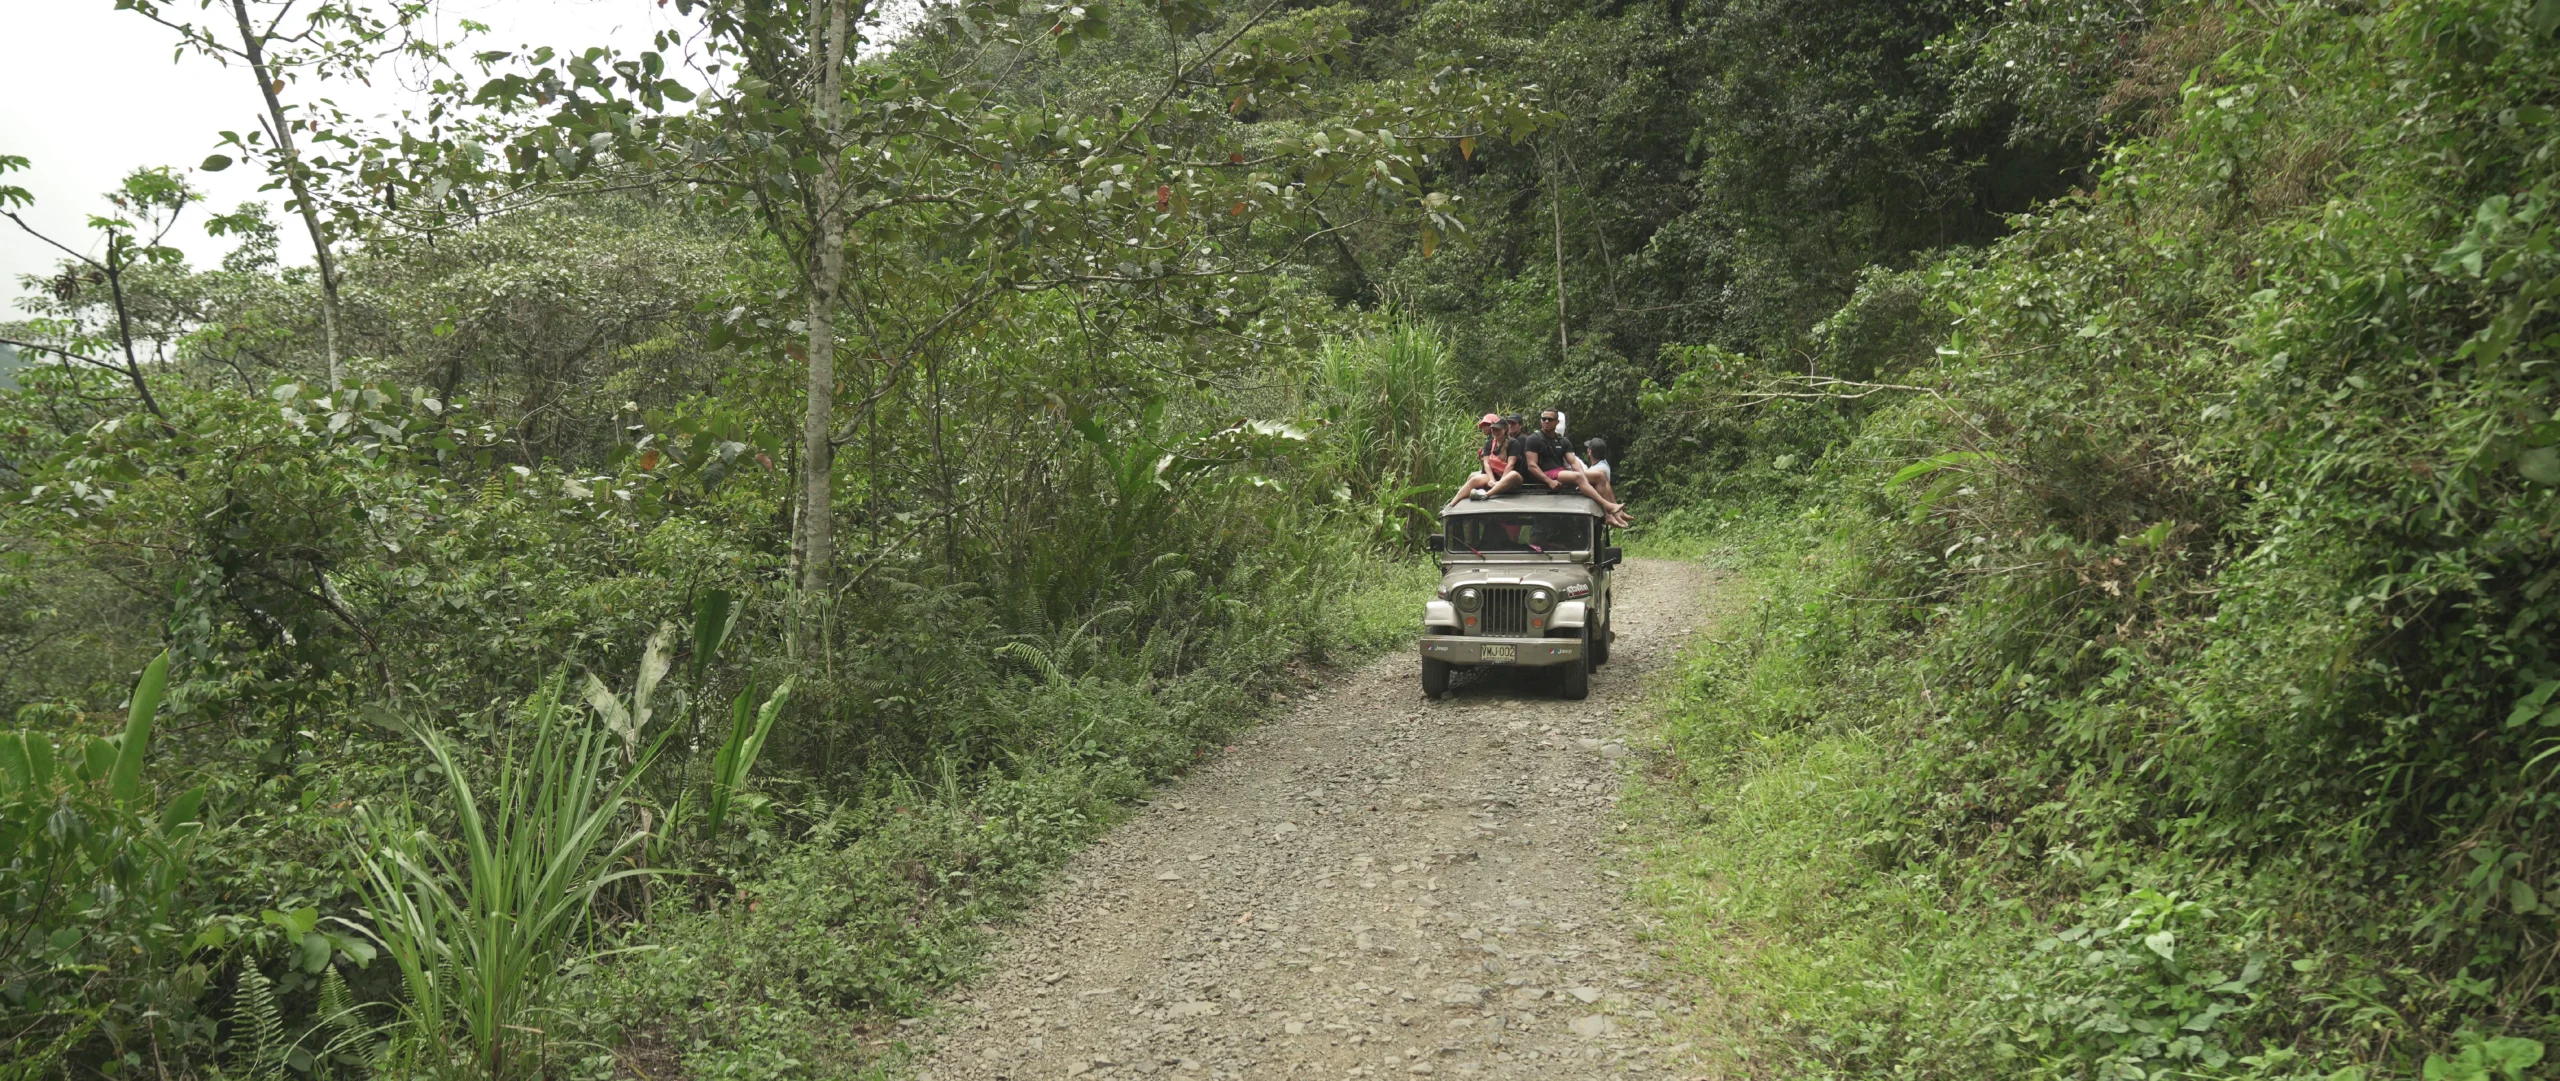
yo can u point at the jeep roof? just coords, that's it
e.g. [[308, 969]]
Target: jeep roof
[[1532, 503]]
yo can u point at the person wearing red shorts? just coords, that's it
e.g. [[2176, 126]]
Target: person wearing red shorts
[[1547, 458]]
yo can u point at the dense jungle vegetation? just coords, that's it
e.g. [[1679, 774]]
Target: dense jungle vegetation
[[642, 564]]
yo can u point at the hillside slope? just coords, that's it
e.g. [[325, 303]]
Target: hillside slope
[[2165, 685]]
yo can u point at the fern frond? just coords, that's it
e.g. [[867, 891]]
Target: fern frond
[[257, 1026]]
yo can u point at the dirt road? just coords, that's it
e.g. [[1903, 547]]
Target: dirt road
[[1371, 886]]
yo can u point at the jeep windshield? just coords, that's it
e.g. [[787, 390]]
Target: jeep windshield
[[1486, 534]]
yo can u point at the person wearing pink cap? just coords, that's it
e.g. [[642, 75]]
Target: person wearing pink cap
[[1500, 454], [1491, 452]]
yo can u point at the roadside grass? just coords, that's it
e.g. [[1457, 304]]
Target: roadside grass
[[1728, 534], [805, 961], [1754, 818]]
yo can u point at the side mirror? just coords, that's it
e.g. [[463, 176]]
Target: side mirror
[[1612, 556], [1437, 543]]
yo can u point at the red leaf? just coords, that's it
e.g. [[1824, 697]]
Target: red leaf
[[1164, 196]]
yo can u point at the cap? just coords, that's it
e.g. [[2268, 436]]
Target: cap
[[1489, 418]]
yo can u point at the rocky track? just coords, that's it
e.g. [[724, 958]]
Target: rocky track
[[1371, 886]]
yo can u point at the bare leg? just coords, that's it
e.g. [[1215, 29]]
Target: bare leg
[[1508, 482], [1474, 482], [1569, 476]]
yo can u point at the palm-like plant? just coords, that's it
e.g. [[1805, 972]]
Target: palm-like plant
[[478, 924]]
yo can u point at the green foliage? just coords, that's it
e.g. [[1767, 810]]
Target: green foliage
[[478, 926], [1726, 173], [1105, 462], [1396, 443], [93, 873], [2195, 586], [748, 729], [1027, 598]]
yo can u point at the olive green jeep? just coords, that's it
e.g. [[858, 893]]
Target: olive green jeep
[[1524, 581]]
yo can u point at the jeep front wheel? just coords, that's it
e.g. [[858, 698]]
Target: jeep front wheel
[[1577, 675], [1435, 678]]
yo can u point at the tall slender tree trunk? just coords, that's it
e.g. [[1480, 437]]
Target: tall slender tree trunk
[[254, 46], [826, 282], [1555, 204]]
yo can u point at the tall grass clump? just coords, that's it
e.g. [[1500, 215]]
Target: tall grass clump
[[479, 925], [1393, 432]]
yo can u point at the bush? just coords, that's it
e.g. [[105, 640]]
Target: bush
[[2199, 596]]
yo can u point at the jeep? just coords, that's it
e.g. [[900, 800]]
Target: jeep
[[1524, 582]]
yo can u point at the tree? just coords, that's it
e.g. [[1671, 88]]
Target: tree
[[149, 202], [915, 188], [329, 40]]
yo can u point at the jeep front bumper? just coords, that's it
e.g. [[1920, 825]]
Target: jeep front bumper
[[1462, 649]]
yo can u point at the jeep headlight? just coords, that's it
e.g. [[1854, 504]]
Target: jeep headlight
[[1540, 600], [1467, 599]]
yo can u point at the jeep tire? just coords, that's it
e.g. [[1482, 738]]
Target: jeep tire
[[1600, 646], [1435, 678], [1576, 683]]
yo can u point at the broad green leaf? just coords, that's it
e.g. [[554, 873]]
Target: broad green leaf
[[2533, 704], [97, 760], [13, 761], [315, 951], [39, 754], [126, 782], [1926, 466], [184, 810], [2164, 943], [297, 923], [2540, 465], [2513, 1053], [715, 614]]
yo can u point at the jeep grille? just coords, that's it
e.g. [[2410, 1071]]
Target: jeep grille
[[1506, 610]]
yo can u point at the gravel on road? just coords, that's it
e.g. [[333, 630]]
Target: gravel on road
[[1372, 885]]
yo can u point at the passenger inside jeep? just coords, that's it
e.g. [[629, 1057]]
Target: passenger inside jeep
[[1535, 533]]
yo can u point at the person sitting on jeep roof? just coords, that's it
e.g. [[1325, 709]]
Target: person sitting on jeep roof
[[1491, 424], [1500, 452], [1548, 459], [1595, 467]]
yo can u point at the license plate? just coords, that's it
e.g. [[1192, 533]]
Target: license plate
[[1500, 653]]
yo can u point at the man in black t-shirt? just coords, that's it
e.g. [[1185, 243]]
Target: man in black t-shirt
[[1545, 457]]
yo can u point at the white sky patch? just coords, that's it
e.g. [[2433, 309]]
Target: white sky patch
[[92, 94]]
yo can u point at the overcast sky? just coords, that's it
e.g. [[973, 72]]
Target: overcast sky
[[89, 93]]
